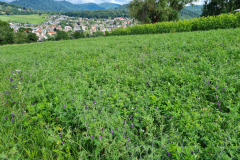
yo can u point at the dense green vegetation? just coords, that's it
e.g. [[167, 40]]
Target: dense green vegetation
[[168, 96], [62, 6], [153, 11], [223, 21], [11, 9], [8, 36], [110, 13], [216, 7]]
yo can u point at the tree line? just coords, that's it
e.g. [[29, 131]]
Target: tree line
[[216, 7], [8, 36]]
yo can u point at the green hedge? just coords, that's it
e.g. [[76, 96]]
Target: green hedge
[[222, 21]]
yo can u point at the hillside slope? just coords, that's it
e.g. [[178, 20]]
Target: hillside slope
[[109, 5], [45, 5], [56, 6]]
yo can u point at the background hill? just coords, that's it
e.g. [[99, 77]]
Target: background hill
[[109, 5], [188, 12], [195, 8], [91, 6], [62, 6], [45, 5]]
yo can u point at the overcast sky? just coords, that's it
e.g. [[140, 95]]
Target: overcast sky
[[110, 1]]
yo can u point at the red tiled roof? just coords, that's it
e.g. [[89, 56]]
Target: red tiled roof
[[51, 32], [39, 31]]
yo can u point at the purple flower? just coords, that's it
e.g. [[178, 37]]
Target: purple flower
[[87, 107], [102, 130], [132, 126], [115, 129], [124, 122], [11, 79], [12, 116], [192, 152], [130, 116], [87, 124], [100, 137], [216, 86], [111, 131], [156, 108], [221, 98], [60, 135], [124, 127], [124, 136], [94, 102], [218, 104], [216, 96], [219, 109], [223, 88], [55, 81], [162, 146], [30, 76], [128, 139], [32, 104], [170, 116], [63, 142], [12, 119], [71, 127], [168, 154], [205, 85], [5, 117], [91, 137], [64, 106]]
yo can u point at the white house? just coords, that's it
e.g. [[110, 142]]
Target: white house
[[237, 10]]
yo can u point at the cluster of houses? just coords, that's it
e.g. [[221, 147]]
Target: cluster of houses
[[73, 24]]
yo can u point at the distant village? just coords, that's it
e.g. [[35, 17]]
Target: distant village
[[72, 24]]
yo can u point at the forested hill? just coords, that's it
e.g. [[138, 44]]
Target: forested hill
[[109, 5], [188, 14], [62, 6], [10, 9], [42, 5], [195, 8]]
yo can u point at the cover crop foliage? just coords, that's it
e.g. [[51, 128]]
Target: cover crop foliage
[[168, 96]]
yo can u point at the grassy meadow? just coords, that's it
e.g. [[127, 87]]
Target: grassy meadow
[[35, 18], [161, 96]]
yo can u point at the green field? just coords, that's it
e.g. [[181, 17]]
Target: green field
[[24, 18], [162, 96]]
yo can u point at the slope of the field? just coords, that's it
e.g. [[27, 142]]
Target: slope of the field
[[166, 96], [34, 18]]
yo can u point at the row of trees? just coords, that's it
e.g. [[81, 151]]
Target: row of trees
[[7, 35], [62, 35], [152, 11], [110, 13], [216, 7]]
